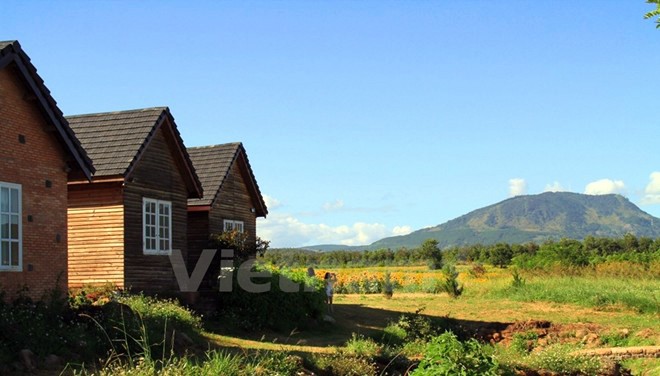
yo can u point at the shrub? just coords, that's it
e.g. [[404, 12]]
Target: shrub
[[477, 270], [524, 343], [451, 285], [238, 241], [214, 363], [361, 346], [342, 365], [518, 280], [393, 334], [446, 355], [154, 321], [387, 285], [132, 325], [274, 309], [45, 326], [416, 326]]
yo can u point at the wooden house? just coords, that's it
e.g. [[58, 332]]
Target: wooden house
[[124, 224], [232, 199], [38, 154]]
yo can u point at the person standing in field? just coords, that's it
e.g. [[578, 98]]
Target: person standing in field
[[330, 279]]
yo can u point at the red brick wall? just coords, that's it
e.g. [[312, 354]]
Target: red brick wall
[[31, 164]]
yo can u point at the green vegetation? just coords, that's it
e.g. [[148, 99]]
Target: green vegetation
[[536, 218], [213, 363], [431, 252], [641, 252], [279, 308], [603, 293], [451, 285], [446, 355], [654, 13], [609, 300], [558, 358]]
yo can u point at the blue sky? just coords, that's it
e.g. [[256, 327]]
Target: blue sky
[[365, 119]]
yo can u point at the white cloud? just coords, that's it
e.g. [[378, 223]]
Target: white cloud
[[517, 187], [336, 205], [284, 230], [401, 230], [604, 187], [652, 190], [554, 187], [271, 202]]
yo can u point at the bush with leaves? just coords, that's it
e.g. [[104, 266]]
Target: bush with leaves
[[44, 326], [342, 365], [292, 298], [412, 327], [239, 242], [446, 355]]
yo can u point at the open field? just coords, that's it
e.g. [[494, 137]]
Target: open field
[[548, 320], [584, 311]]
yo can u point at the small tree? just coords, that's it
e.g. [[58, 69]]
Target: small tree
[[500, 255], [238, 241], [451, 285], [432, 254]]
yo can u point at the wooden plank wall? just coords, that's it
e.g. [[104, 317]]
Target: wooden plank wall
[[155, 176], [96, 235], [234, 202], [198, 234], [198, 240]]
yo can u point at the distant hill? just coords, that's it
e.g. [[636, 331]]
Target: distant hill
[[550, 215], [521, 219], [336, 247]]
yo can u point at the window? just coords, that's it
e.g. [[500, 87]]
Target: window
[[233, 225], [11, 245], [157, 226]]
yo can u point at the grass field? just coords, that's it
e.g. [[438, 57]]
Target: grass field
[[618, 311]]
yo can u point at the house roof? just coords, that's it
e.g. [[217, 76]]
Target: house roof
[[115, 141], [12, 53], [213, 165]]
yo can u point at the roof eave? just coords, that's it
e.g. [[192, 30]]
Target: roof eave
[[195, 186]]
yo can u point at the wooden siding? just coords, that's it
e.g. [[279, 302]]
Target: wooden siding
[[96, 235], [234, 203], [155, 176], [198, 234], [198, 240]]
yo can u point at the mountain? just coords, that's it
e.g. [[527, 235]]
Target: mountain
[[550, 215], [335, 247]]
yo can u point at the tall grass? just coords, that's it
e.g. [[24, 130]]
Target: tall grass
[[640, 295], [213, 363]]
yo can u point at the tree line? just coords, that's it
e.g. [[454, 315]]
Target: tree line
[[565, 251]]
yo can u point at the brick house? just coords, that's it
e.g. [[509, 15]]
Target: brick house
[[38, 154], [232, 200], [124, 224]]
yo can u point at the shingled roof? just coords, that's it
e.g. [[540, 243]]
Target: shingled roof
[[213, 165], [12, 53], [115, 140]]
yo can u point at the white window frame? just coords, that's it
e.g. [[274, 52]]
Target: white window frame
[[230, 225], [8, 238], [156, 218]]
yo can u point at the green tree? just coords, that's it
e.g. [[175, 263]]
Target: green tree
[[431, 253], [500, 255], [654, 13]]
